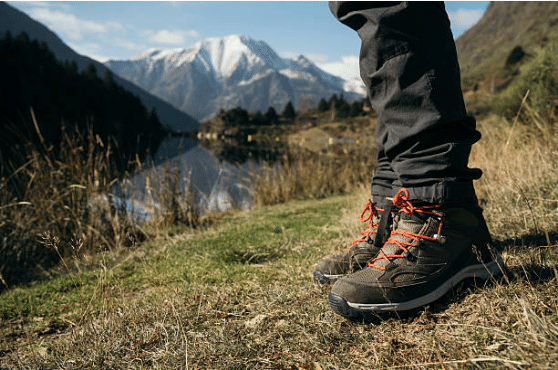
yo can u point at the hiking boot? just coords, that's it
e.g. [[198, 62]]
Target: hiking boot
[[430, 249], [362, 250]]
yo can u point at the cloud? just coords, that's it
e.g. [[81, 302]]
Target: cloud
[[71, 26], [316, 58], [126, 44], [115, 26], [170, 37], [48, 4], [89, 49], [288, 55], [347, 68], [465, 18]]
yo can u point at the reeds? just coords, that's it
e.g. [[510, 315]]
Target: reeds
[[305, 175], [59, 192], [519, 188]]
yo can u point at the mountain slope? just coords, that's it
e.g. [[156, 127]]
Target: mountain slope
[[66, 103], [14, 21], [486, 49], [223, 73]]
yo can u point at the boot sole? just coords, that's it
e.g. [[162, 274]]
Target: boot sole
[[359, 310]]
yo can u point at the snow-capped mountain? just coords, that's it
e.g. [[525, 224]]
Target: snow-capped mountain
[[227, 72]]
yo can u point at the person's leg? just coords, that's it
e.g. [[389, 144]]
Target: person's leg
[[382, 186], [409, 65], [399, 88]]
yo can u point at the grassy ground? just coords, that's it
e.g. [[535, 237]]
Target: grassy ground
[[239, 295]]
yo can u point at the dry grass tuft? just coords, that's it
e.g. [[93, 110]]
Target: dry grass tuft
[[307, 175], [62, 204], [60, 195], [519, 188]]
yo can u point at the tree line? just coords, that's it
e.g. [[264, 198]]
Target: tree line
[[64, 99], [337, 105]]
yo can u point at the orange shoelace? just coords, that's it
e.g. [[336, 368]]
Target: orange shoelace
[[401, 201], [371, 227]]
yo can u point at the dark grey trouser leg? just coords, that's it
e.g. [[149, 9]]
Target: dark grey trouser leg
[[408, 63]]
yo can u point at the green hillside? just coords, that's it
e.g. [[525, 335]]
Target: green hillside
[[509, 51]]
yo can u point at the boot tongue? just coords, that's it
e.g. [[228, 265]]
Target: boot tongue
[[408, 223]]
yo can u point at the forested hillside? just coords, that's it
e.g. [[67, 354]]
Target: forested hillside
[[64, 100]]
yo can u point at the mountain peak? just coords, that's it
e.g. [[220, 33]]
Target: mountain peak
[[226, 53], [156, 53], [227, 72], [302, 61]]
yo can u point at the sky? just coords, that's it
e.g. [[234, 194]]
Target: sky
[[119, 30]]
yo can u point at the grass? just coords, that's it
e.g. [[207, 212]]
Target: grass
[[237, 293], [57, 192], [320, 162]]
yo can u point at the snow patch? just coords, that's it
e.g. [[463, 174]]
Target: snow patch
[[297, 74], [254, 78]]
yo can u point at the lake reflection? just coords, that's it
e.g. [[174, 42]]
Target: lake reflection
[[182, 163]]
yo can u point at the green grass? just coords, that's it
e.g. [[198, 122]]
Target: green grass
[[237, 249]]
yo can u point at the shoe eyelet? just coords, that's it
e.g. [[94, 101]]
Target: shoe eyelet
[[440, 238]]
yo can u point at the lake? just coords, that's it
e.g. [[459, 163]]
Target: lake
[[185, 166]]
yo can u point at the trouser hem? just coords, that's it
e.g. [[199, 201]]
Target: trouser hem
[[445, 192], [380, 196]]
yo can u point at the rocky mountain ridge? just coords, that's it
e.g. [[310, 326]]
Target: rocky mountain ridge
[[228, 72]]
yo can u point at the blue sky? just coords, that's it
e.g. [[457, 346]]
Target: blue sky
[[122, 29]]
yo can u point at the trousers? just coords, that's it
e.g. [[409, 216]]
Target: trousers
[[409, 65]]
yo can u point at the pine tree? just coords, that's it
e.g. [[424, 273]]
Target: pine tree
[[289, 111], [236, 117], [153, 118], [90, 71], [333, 101], [258, 119], [323, 106], [356, 109], [271, 116], [343, 109], [108, 79]]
